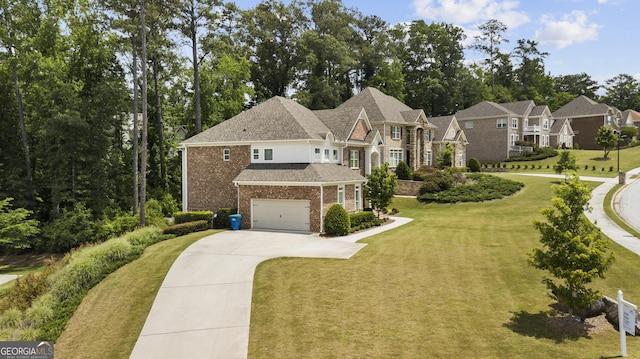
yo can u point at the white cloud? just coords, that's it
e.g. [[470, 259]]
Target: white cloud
[[572, 28], [471, 11]]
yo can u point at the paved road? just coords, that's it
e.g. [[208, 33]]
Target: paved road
[[627, 203]]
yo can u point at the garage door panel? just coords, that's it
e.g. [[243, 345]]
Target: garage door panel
[[281, 214]]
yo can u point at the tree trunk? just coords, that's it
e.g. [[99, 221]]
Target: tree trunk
[[159, 129], [136, 130], [196, 71], [23, 127], [143, 161]]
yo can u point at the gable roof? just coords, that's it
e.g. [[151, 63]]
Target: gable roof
[[294, 121], [298, 173], [442, 124], [341, 121], [484, 109], [557, 126], [522, 108], [630, 116], [582, 106], [381, 107], [539, 111]]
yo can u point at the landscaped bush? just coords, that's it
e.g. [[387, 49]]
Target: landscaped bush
[[79, 271], [109, 228], [423, 172], [437, 181], [186, 228], [221, 219], [336, 221], [27, 289], [169, 205], [403, 171], [185, 217], [537, 154], [474, 165], [154, 214], [484, 188], [362, 220]]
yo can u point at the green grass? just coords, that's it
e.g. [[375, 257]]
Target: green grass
[[629, 159], [109, 320], [454, 283], [608, 210]]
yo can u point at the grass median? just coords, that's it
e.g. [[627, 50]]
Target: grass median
[[454, 283]]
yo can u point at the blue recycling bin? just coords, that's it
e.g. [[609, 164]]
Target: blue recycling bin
[[236, 221]]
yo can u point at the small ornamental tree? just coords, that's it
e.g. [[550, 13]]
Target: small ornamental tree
[[380, 188], [446, 158], [574, 251], [607, 139], [567, 162]]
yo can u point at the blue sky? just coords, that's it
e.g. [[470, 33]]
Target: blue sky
[[598, 37]]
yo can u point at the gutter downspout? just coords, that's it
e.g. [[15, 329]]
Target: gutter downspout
[[321, 207], [185, 188]]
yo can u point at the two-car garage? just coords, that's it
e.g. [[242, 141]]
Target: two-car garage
[[280, 214]]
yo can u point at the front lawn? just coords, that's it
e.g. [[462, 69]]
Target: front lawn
[[454, 283]]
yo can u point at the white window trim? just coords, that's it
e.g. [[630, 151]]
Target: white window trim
[[265, 154], [341, 195], [502, 123], [335, 155], [356, 159], [514, 123], [226, 154], [356, 197], [317, 153], [256, 153], [429, 158], [396, 132], [394, 160]]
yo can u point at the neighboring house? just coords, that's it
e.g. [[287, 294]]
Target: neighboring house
[[406, 132], [495, 131], [586, 117], [562, 134], [281, 165], [630, 118], [448, 132]]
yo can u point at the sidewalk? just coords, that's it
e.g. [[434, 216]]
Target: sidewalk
[[203, 307]]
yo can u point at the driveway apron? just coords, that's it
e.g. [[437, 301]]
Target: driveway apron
[[203, 307]]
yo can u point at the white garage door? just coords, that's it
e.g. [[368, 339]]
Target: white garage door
[[292, 215]]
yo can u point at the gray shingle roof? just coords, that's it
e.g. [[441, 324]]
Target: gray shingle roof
[[484, 109], [275, 119], [538, 111], [442, 123], [380, 107], [340, 121], [521, 108], [581, 106], [298, 172], [557, 126]]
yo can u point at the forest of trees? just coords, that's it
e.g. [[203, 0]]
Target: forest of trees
[[72, 73]]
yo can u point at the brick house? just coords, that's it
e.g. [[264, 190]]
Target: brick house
[[406, 132], [562, 134], [448, 132], [586, 117], [281, 165]]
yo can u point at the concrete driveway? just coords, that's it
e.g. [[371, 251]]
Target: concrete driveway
[[203, 307]]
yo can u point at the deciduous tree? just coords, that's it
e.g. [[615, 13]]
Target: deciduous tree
[[380, 188], [607, 139]]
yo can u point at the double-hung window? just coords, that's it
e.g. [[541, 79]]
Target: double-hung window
[[226, 154], [357, 201], [396, 132], [514, 123], [256, 154], [395, 156], [268, 154], [335, 155], [354, 158], [429, 158], [341, 195], [501, 123], [316, 152]]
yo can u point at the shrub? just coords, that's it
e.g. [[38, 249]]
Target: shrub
[[336, 221], [186, 228], [593, 168], [484, 188], [153, 213], [403, 171], [10, 318], [27, 289], [357, 219], [424, 172], [121, 224], [169, 205], [610, 168], [185, 217], [474, 165], [70, 230], [221, 219]]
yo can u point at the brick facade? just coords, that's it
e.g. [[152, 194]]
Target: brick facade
[[209, 176], [487, 143], [360, 131], [586, 131], [347, 157]]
